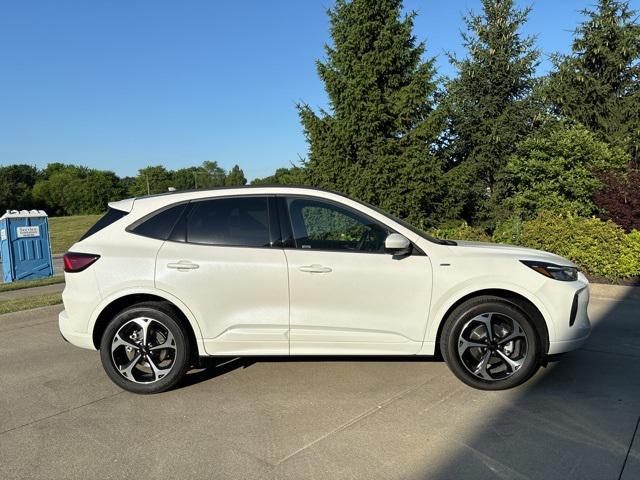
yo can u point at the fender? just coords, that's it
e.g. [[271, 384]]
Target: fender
[[150, 291], [445, 300]]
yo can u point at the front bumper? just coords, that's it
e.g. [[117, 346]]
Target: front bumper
[[79, 339], [572, 330]]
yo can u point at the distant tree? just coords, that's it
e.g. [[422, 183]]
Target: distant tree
[[557, 170], [16, 184], [618, 199], [185, 178], [126, 185], [489, 106], [58, 189], [375, 142], [235, 177], [294, 175], [598, 84], [73, 190], [100, 187], [210, 174], [151, 180]]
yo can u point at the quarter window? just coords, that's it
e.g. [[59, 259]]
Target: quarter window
[[160, 224], [240, 221], [326, 226]]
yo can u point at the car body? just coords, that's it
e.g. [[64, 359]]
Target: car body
[[303, 271]]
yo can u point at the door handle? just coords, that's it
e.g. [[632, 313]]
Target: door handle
[[183, 265], [314, 269]]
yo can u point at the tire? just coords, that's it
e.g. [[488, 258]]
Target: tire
[[504, 358], [160, 363]]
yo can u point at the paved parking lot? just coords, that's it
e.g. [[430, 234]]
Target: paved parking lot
[[60, 417]]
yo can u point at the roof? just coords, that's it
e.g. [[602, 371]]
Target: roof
[[126, 204], [238, 187], [23, 214]]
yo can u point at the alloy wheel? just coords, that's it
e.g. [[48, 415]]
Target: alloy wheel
[[492, 346], [143, 350]]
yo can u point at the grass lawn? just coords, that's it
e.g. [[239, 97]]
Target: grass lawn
[[40, 282], [8, 306], [65, 231]]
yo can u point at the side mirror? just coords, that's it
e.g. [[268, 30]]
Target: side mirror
[[397, 244]]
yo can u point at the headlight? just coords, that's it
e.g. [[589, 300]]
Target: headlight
[[557, 272]]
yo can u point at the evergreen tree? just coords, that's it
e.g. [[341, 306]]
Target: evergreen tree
[[235, 177], [489, 106], [598, 83], [375, 143]]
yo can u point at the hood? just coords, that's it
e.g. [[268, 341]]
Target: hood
[[465, 247]]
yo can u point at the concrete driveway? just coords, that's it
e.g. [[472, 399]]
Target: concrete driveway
[[60, 417]]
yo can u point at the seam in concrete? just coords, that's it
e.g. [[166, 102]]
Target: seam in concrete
[[499, 469], [18, 427], [26, 326], [615, 292], [610, 353], [614, 299], [355, 420], [624, 464]]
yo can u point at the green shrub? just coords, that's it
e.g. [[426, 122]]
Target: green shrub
[[508, 231], [555, 170], [462, 231], [597, 247]]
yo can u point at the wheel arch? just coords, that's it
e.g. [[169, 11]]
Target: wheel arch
[[516, 299], [115, 304]]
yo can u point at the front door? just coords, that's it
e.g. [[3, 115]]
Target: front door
[[347, 295]]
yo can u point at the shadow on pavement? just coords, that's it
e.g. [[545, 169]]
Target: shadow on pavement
[[212, 367], [575, 419]]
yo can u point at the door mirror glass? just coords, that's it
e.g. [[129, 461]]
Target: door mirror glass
[[397, 244]]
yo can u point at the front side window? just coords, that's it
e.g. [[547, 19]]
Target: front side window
[[240, 221], [322, 225]]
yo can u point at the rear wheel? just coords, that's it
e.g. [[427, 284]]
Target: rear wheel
[[491, 344], [144, 349]]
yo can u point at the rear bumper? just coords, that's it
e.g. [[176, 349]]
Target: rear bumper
[[79, 339]]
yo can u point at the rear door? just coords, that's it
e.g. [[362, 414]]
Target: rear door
[[222, 261]]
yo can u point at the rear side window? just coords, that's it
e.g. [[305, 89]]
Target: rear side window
[[160, 224], [240, 221], [107, 219]]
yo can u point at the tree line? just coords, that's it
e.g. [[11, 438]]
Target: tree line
[[62, 189], [493, 145]]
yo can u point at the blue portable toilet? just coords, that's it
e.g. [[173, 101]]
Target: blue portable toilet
[[25, 245]]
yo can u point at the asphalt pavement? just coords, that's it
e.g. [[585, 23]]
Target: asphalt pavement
[[367, 418]]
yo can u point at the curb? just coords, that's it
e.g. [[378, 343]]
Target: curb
[[614, 292]]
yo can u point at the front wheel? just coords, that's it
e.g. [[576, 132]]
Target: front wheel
[[144, 349], [490, 344]]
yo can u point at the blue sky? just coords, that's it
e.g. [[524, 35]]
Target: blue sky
[[124, 84]]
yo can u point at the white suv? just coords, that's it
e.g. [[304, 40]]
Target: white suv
[[160, 281]]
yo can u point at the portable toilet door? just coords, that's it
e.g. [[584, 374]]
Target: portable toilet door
[[24, 241]]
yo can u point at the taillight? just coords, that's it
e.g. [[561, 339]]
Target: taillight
[[76, 262]]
